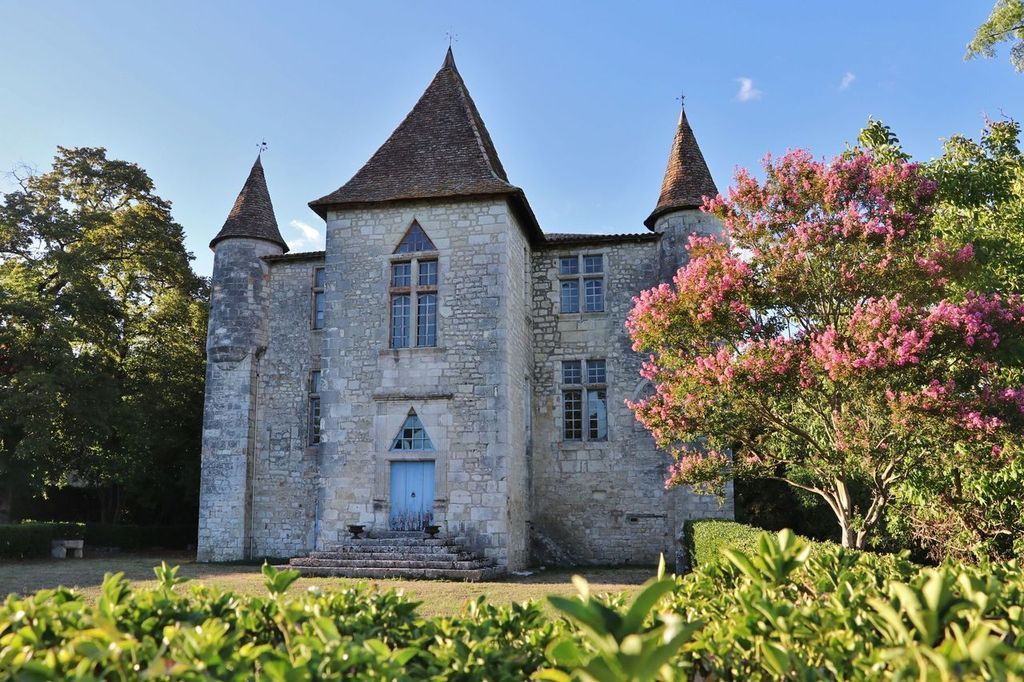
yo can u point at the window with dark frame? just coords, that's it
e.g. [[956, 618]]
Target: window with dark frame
[[581, 288], [413, 291], [314, 407], [319, 281], [584, 400]]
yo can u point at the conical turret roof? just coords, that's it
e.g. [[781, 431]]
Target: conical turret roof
[[253, 214], [440, 150], [687, 178]]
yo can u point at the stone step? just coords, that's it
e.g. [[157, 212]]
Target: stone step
[[468, 575], [421, 540], [396, 534], [385, 564], [395, 549], [398, 556]]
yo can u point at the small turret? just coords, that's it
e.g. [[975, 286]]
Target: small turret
[[236, 339], [677, 214]]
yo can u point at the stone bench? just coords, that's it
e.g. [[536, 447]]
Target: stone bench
[[62, 549]]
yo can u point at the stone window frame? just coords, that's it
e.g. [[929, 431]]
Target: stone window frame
[[579, 386], [434, 412], [317, 293], [414, 290], [581, 277], [314, 414]]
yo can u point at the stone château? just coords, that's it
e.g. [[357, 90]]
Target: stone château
[[443, 362]]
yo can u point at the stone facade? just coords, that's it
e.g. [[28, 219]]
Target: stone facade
[[505, 475], [489, 394]]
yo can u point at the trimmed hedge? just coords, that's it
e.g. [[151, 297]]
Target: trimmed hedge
[[139, 537], [707, 537], [31, 539]]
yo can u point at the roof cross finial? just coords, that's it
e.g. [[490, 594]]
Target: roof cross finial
[[681, 99], [451, 36], [262, 146]]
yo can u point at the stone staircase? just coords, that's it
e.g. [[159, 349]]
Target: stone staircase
[[399, 554]]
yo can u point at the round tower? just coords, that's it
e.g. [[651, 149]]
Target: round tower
[[677, 215], [236, 339]]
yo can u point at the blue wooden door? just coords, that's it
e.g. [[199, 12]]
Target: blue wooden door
[[412, 495]]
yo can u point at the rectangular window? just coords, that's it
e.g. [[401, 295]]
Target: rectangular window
[[401, 274], [571, 296], [428, 273], [586, 283], [414, 302], [314, 407], [584, 400], [426, 320], [593, 263], [568, 265], [572, 414], [319, 280], [572, 372], [594, 295], [597, 415], [400, 321]]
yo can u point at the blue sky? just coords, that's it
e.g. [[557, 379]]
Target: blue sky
[[580, 98]]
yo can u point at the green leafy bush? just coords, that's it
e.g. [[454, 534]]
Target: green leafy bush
[[785, 610]]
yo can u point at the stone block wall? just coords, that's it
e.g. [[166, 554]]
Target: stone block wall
[[285, 469], [600, 502], [459, 388], [236, 341]]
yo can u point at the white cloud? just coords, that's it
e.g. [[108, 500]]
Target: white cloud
[[847, 81], [747, 91], [310, 236]]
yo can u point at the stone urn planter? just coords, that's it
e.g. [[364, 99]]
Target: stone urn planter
[[356, 530], [432, 531]]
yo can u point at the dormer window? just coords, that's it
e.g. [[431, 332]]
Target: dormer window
[[413, 287]]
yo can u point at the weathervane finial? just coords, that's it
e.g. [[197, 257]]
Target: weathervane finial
[[262, 146], [682, 100], [451, 36]]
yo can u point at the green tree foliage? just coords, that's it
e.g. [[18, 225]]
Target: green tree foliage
[[979, 198], [955, 511], [1006, 23], [102, 327]]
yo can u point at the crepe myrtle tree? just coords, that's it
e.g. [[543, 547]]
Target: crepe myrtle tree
[[817, 343]]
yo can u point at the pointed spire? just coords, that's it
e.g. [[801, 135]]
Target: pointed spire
[[441, 150], [253, 213], [687, 178]]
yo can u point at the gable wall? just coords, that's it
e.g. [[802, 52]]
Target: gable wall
[[459, 389]]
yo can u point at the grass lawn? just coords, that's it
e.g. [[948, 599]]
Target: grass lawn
[[439, 598]]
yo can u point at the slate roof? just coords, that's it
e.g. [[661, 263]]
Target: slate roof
[[253, 213], [687, 178], [296, 256], [555, 239], [440, 150]]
